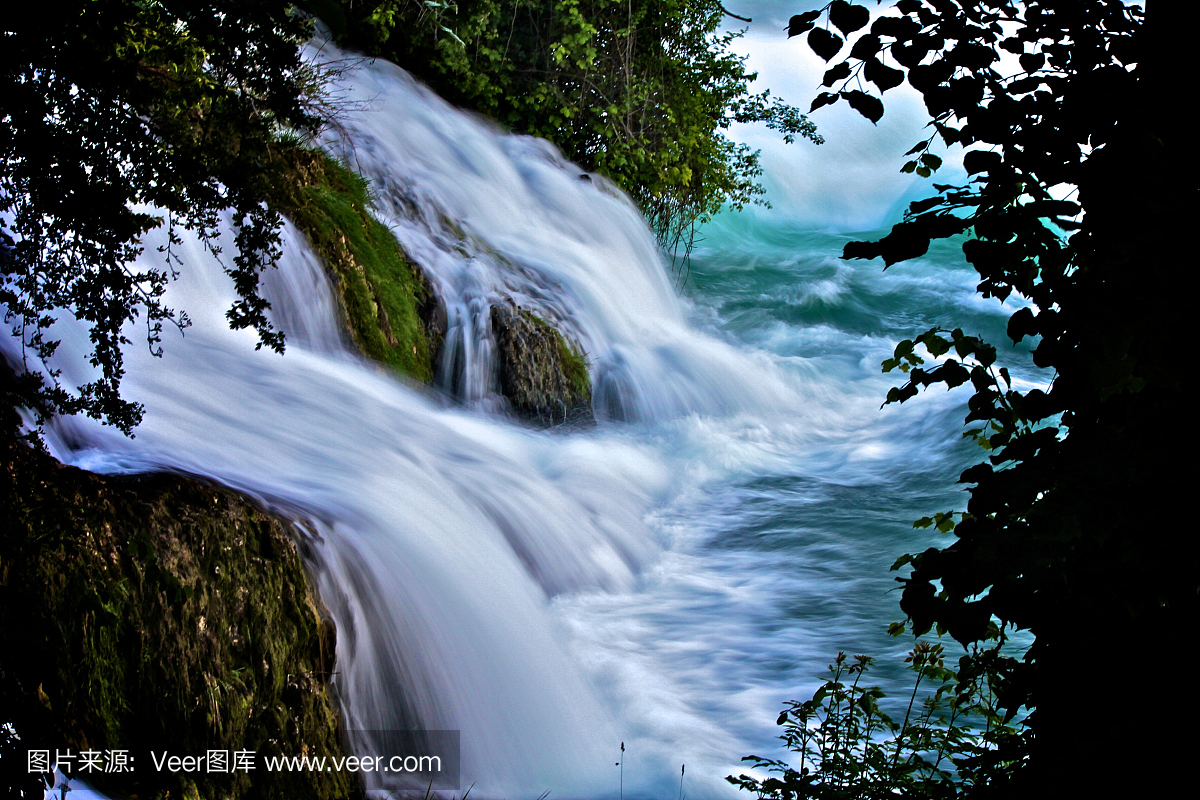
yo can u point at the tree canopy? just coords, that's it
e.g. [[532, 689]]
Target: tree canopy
[[1073, 201], [639, 90], [112, 108]]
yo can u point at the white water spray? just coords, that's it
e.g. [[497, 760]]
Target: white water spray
[[549, 594], [495, 218], [441, 533]]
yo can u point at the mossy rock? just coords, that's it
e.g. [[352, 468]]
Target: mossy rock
[[159, 613], [543, 376], [393, 314]]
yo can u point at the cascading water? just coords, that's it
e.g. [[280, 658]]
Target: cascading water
[[663, 580], [496, 218]]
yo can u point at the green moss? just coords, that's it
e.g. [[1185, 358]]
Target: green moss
[[382, 292], [544, 377], [160, 613], [572, 363]]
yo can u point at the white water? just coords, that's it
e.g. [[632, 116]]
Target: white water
[[549, 594]]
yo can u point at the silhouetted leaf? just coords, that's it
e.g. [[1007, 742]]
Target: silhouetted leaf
[[866, 250], [1025, 85], [936, 345], [1013, 45], [1032, 61], [824, 43], [965, 92], [882, 76], [908, 55], [835, 74], [952, 373], [802, 23], [980, 161], [899, 28], [904, 242], [1053, 208], [866, 47], [863, 103], [1022, 324], [848, 18], [923, 77], [972, 55], [823, 99]]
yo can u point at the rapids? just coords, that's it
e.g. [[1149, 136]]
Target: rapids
[[664, 580]]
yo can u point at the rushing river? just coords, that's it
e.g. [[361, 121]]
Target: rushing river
[[663, 580]]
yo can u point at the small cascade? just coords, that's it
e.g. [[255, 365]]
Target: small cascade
[[495, 218], [440, 532], [493, 579]]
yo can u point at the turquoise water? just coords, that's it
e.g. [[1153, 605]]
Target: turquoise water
[[774, 570], [665, 580]]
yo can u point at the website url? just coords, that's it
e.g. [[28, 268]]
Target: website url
[[353, 764]]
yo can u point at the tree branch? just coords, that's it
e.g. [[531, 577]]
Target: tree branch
[[729, 13]]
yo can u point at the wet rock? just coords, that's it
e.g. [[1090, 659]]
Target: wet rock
[[160, 613], [543, 376], [432, 313]]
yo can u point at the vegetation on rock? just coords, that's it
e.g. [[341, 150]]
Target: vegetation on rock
[[544, 377], [393, 315], [158, 613]]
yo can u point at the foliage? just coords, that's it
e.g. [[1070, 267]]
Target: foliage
[[850, 747], [113, 109], [639, 90], [1054, 538]]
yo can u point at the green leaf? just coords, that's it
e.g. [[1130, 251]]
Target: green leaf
[[936, 345]]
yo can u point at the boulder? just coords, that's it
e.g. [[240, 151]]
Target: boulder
[[159, 613], [543, 376]]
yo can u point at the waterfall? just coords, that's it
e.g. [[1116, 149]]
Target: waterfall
[[500, 218], [439, 532]]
